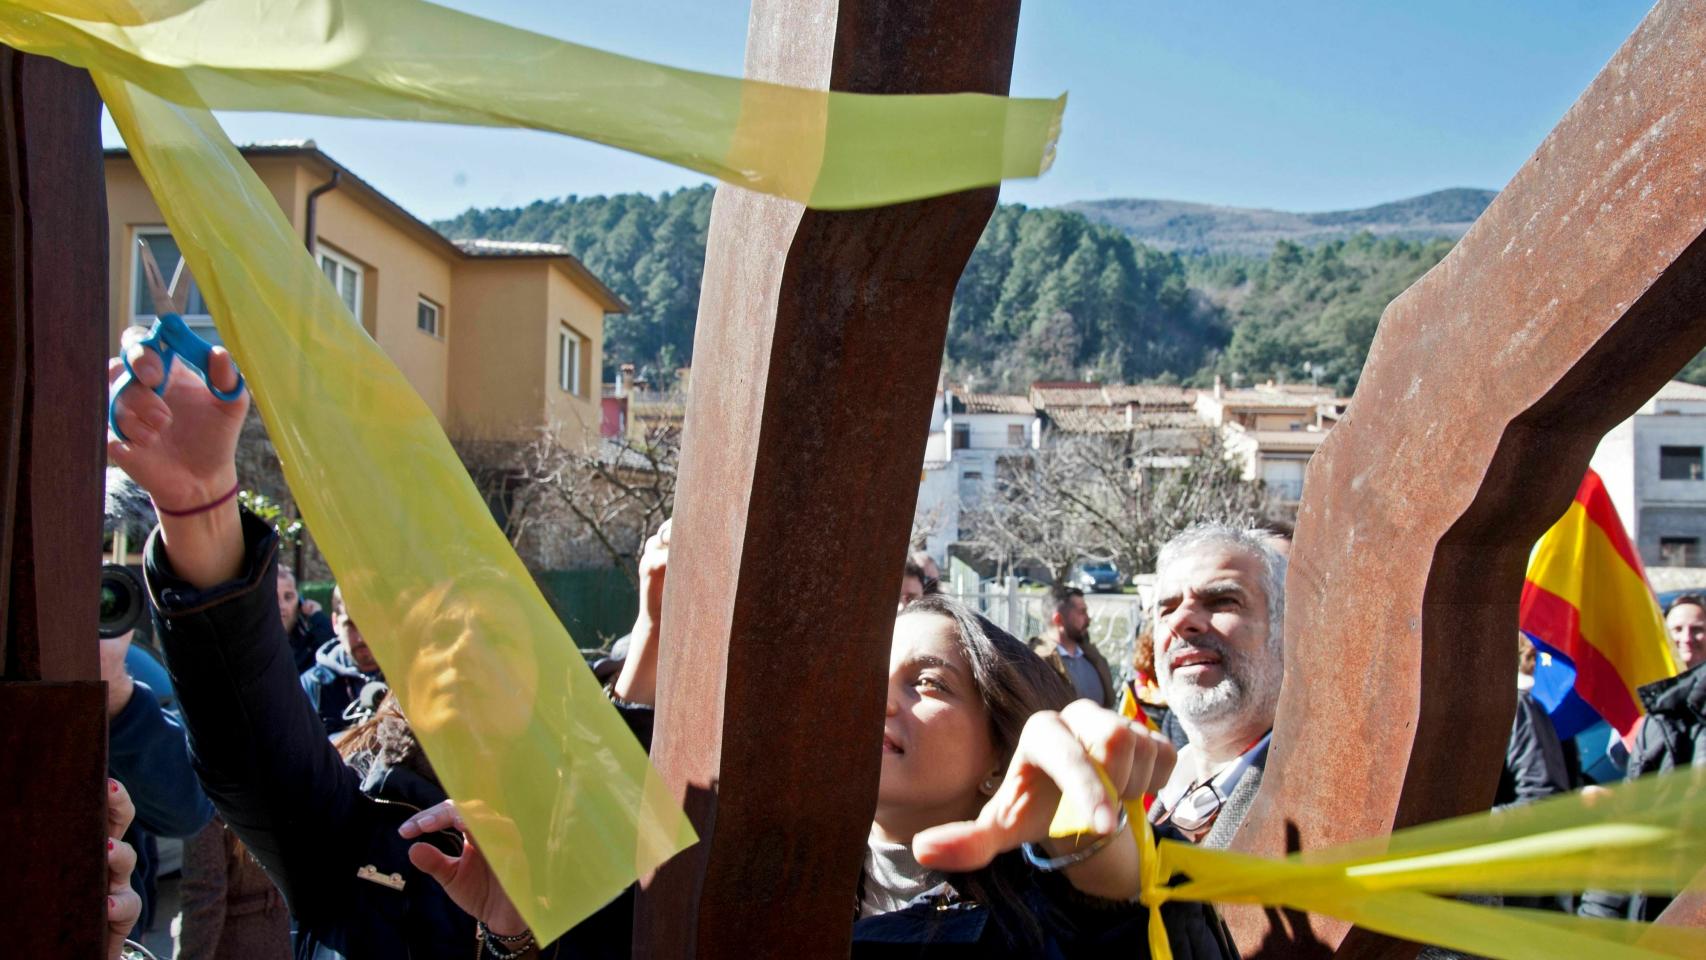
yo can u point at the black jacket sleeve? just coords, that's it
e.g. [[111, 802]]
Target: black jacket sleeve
[[260, 751]]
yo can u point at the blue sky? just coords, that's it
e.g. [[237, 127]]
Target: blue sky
[[1302, 105]]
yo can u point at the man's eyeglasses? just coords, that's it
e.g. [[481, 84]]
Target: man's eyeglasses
[[1196, 810]]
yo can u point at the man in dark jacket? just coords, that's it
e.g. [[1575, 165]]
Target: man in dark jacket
[[1671, 735], [342, 667], [305, 624]]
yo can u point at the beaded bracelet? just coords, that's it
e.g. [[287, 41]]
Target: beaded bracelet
[[501, 947]]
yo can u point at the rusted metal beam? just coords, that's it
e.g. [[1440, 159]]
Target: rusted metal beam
[[1688, 909], [53, 270], [1578, 293], [816, 355]]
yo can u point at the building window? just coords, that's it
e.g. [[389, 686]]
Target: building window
[[1015, 434], [167, 256], [1679, 551], [569, 360], [1680, 463], [427, 316], [345, 275], [962, 436]]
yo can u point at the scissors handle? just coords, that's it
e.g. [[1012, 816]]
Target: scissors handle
[[173, 340]]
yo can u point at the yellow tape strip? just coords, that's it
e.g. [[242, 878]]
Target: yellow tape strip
[[407, 60], [1649, 835], [560, 797]]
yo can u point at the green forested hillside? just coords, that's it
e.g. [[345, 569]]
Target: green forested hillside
[[1047, 295], [1305, 314]]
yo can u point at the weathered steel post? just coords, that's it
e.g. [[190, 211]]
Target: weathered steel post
[[53, 341], [815, 361]]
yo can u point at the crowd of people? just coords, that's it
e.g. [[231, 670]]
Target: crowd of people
[[317, 827]]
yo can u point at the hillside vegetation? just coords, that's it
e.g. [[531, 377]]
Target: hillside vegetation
[[1049, 294]]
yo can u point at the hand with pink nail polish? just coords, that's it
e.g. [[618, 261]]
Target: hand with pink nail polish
[[124, 904]]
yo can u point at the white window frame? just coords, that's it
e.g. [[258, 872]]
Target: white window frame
[[201, 323], [568, 360], [322, 253], [437, 331]]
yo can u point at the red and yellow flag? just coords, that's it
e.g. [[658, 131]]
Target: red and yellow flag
[[1588, 609]]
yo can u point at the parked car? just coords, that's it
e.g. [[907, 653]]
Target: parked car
[[1095, 577]]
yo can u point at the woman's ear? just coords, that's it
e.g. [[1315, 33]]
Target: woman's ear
[[990, 783]]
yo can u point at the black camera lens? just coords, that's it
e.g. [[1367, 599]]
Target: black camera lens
[[123, 603]]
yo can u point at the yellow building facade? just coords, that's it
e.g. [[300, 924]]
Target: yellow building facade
[[500, 339]]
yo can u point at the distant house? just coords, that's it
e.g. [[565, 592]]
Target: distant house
[[970, 433], [634, 407], [500, 339], [1272, 429], [1654, 467]]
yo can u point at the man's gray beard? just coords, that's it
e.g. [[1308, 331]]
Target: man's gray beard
[[1206, 708]]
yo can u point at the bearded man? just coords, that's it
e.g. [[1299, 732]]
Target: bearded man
[[1219, 658], [1065, 645]]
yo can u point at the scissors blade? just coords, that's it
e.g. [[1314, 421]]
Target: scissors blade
[[179, 288], [157, 289]]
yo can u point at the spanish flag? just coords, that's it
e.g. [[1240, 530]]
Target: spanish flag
[[1592, 618]]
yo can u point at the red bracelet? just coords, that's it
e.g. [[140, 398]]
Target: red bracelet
[[201, 509]]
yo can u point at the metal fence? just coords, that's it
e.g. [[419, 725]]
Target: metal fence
[[1115, 618]]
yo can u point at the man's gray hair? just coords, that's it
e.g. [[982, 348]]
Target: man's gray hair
[[1199, 536]]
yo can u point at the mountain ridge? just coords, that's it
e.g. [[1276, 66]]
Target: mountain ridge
[[1184, 227]]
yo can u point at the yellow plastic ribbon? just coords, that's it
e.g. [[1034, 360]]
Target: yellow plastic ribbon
[[1649, 835], [408, 60], [560, 797]]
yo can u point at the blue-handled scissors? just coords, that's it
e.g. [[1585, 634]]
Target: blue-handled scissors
[[170, 337]]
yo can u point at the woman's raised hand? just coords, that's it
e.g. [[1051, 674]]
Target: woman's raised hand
[[182, 449], [182, 446], [1058, 755]]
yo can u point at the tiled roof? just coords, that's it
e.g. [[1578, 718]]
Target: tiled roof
[[993, 403], [1273, 399], [1287, 439], [1296, 389], [1081, 396], [1115, 420], [1151, 395], [1171, 420], [1073, 419], [482, 247]]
